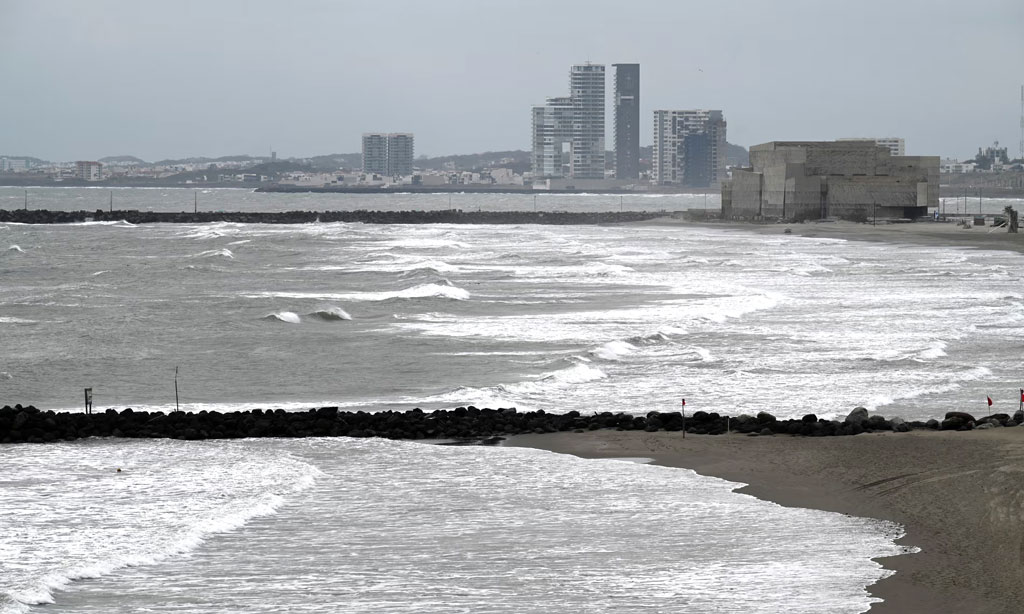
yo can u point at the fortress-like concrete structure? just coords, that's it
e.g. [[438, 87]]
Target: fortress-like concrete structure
[[820, 179]]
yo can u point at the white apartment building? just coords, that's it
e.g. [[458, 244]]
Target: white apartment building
[[689, 148], [400, 154], [586, 89], [88, 170], [388, 154], [13, 165], [375, 153], [552, 136], [895, 145]]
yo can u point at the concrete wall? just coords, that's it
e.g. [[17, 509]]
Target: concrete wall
[[745, 186]]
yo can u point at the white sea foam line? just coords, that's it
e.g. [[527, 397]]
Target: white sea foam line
[[421, 291]]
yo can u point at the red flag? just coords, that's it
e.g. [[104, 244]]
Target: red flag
[[989, 401]]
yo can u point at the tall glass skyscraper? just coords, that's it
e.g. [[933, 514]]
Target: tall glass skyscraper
[[627, 121]]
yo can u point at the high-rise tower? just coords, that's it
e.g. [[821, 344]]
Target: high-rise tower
[[689, 148], [586, 89], [627, 121]]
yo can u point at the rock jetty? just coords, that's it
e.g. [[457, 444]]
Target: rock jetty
[[30, 425], [446, 216]]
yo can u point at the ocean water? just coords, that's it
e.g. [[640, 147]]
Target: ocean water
[[612, 318], [343, 525]]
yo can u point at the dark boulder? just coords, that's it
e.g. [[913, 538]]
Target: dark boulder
[[857, 416]]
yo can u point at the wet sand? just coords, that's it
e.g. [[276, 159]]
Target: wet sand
[[960, 496]]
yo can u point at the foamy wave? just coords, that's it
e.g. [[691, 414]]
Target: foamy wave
[[881, 400], [118, 223], [613, 350], [98, 273], [213, 253], [331, 314], [284, 316], [224, 504], [13, 320], [422, 291], [15, 248]]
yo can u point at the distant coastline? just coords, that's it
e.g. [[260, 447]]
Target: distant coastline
[[945, 190]]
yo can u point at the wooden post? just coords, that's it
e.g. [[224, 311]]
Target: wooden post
[[176, 406], [684, 418], [195, 201], [88, 400], [111, 201]]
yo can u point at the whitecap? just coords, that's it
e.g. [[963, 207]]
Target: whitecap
[[613, 350], [15, 248], [330, 314], [284, 316], [212, 253]]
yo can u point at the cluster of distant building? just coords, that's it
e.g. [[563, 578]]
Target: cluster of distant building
[[568, 140]]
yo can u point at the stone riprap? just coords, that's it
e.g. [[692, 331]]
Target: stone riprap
[[30, 425]]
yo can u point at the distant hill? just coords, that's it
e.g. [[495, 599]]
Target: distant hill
[[203, 160], [122, 160], [736, 155]]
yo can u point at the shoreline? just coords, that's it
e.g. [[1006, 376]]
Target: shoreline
[[958, 496]]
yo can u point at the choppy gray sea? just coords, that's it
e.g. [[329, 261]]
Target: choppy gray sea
[[617, 318]]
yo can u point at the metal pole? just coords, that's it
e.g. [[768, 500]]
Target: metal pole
[[26, 200], [176, 406], [195, 201], [111, 200], [684, 418]]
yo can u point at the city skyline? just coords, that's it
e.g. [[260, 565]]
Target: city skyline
[[236, 77]]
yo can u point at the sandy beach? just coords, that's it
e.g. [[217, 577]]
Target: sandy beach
[[916, 233], [960, 496]]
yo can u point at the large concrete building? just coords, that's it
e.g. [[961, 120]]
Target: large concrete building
[[821, 179], [895, 145], [689, 148], [388, 154], [627, 121]]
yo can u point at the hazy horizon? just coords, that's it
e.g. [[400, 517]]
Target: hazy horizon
[[111, 77]]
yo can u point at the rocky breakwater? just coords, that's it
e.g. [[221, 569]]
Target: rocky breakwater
[[30, 425], [448, 216]]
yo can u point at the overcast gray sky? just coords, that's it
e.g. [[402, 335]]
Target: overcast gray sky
[[87, 79]]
